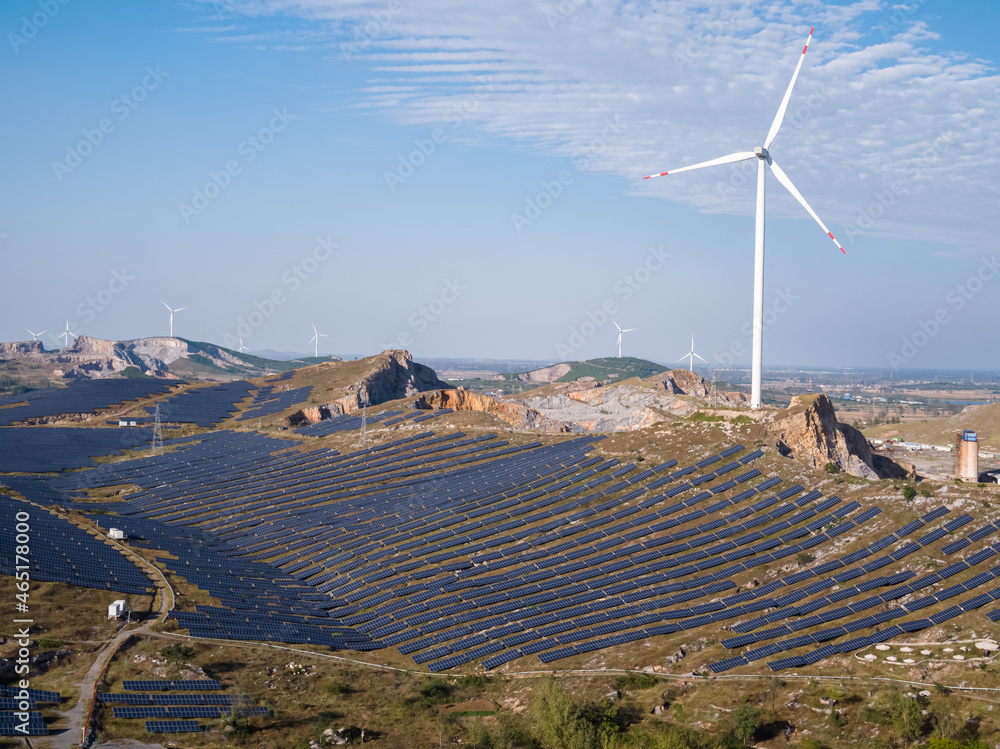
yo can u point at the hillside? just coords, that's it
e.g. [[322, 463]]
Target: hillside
[[984, 420], [163, 357]]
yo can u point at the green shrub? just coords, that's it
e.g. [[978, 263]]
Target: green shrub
[[803, 559], [909, 492], [831, 468], [177, 653], [635, 680]]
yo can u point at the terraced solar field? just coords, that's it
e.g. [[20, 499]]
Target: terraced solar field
[[459, 549]]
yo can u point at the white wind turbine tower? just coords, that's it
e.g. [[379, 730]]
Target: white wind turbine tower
[[763, 156], [67, 334], [691, 356], [620, 333], [34, 336], [315, 339], [242, 348], [172, 311]]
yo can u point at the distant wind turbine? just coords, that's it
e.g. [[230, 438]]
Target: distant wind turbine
[[172, 311], [67, 334], [763, 156], [242, 348], [691, 356], [620, 333], [34, 336], [315, 339]]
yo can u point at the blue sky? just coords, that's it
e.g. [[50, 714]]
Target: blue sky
[[466, 180]]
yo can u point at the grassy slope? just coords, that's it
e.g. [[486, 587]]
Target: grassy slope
[[985, 420]]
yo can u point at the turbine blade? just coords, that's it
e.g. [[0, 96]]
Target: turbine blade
[[165, 305], [698, 357], [730, 159], [776, 125], [179, 309], [783, 179], [629, 330]]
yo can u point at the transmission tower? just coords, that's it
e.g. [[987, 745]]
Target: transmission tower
[[713, 400], [157, 433]]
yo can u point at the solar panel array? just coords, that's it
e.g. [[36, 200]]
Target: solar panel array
[[64, 552], [146, 685], [266, 402], [458, 549], [353, 421], [11, 723], [204, 406], [86, 396], [42, 449]]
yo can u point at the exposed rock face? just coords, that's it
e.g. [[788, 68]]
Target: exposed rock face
[[517, 415], [686, 382], [810, 430], [612, 408], [18, 349], [90, 358], [395, 376], [545, 374]]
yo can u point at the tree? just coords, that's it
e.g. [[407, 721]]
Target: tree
[[745, 721], [909, 492]]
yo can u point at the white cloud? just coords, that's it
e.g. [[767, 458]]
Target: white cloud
[[692, 82]]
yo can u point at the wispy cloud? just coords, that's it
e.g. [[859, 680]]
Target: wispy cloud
[[694, 82]]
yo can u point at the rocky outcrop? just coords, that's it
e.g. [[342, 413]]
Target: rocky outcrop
[[516, 414], [685, 382], [546, 374], [394, 375], [612, 408], [91, 358], [19, 349], [808, 430]]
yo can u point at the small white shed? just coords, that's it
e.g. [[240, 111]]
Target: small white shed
[[116, 534], [116, 609]]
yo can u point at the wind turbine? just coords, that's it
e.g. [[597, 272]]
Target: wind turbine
[[242, 348], [763, 156], [67, 334], [691, 356], [620, 332], [34, 336], [315, 339], [172, 311]]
